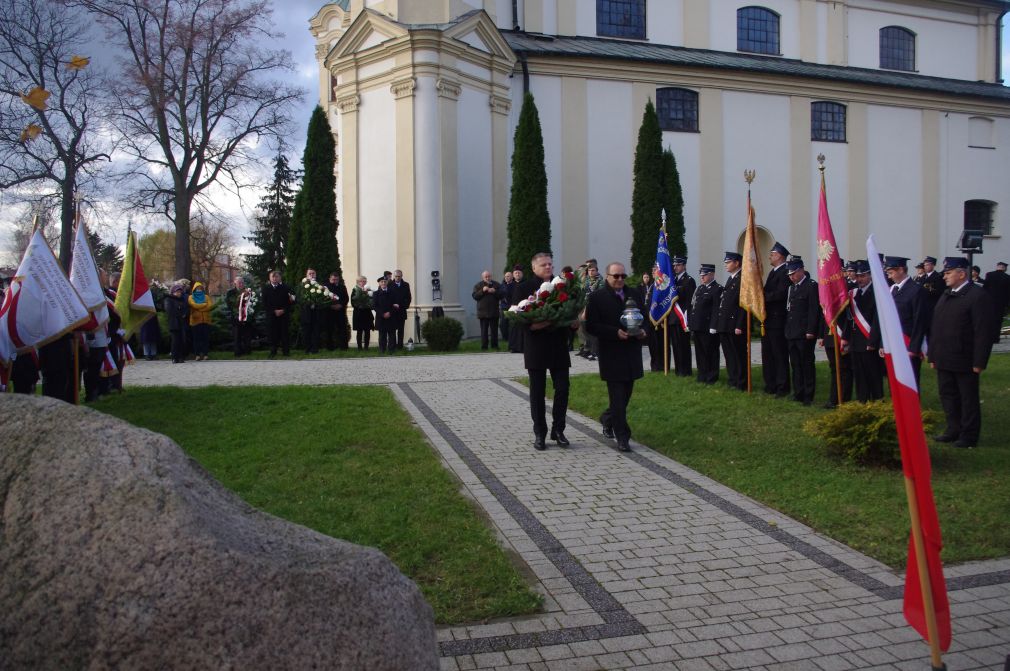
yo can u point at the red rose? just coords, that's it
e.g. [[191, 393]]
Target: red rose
[[543, 294], [569, 275], [540, 304], [562, 297]]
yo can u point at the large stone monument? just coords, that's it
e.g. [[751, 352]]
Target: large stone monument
[[118, 551]]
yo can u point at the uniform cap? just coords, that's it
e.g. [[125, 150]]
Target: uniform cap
[[955, 263], [706, 268], [732, 256], [895, 262], [862, 267], [780, 248], [679, 259], [794, 264], [931, 259]]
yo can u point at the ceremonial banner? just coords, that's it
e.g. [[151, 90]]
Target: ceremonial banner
[[134, 301], [915, 463], [752, 294], [664, 291], [40, 305], [84, 278], [831, 286]]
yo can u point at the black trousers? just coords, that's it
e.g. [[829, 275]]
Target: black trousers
[[241, 333], [56, 364], [279, 333], [516, 339], [178, 345], [538, 406], [801, 360], [400, 326], [93, 372], [734, 350], [489, 327], [960, 400], [845, 364], [706, 352], [868, 371], [364, 336], [311, 320], [503, 325], [775, 361], [616, 415], [680, 342], [387, 338]]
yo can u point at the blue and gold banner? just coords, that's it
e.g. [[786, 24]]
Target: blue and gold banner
[[664, 285]]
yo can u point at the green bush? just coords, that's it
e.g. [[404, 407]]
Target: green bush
[[442, 334], [862, 433]]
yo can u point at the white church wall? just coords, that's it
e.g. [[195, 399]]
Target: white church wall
[[686, 149], [547, 95], [377, 182], [894, 181], [475, 196], [665, 22], [428, 207]]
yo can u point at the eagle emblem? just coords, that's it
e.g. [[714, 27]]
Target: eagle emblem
[[825, 250]]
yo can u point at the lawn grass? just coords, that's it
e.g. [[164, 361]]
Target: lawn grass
[[347, 462], [756, 445], [468, 346]]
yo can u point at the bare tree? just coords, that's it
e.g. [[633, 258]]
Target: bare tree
[[23, 227], [195, 96], [49, 141]]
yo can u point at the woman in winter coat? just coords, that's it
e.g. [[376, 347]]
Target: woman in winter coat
[[177, 311], [200, 304], [362, 319]]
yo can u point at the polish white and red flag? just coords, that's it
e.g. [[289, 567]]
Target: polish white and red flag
[[921, 592], [40, 305]]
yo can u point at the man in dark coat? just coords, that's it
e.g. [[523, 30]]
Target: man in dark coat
[[931, 282], [864, 338], [516, 294], [997, 285], [487, 293], [681, 337], [335, 331], [774, 348], [913, 308], [545, 349], [729, 320], [277, 299], [620, 352], [803, 317], [703, 304], [960, 342], [385, 316], [504, 293], [400, 289], [241, 321]]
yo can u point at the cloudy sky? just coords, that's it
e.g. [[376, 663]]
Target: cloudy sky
[[290, 18]]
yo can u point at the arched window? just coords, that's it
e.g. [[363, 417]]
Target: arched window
[[897, 48], [827, 122], [979, 215], [757, 30], [677, 109], [620, 18]]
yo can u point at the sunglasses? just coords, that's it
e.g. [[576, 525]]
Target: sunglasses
[[619, 276]]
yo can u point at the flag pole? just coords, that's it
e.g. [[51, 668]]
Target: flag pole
[[666, 347], [927, 589], [749, 176], [748, 352], [838, 360]]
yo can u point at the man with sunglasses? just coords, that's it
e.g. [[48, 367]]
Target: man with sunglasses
[[620, 352]]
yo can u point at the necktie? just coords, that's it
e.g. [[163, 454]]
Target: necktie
[[894, 289]]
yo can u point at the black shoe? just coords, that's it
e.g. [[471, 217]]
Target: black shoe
[[966, 444], [608, 432], [944, 438], [559, 438], [828, 406], [539, 444], [622, 445]]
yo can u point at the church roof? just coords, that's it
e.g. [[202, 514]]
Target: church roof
[[535, 44]]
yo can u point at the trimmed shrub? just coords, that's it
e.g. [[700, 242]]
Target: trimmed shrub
[[442, 334], [862, 433]]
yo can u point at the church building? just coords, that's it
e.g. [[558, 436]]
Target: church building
[[902, 97]]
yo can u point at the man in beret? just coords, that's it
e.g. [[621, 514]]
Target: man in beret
[[913, 308], [774, 347], [680, 336], [703, 305], [729, 321], [864, 343], [803, 317], [997, 285], [960, 342]]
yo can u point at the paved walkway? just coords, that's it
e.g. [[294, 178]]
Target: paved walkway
[[643, 563]]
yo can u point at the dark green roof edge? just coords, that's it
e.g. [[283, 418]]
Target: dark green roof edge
[[532, 44]]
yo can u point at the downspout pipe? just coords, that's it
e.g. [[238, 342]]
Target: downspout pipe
[[522, 56], [999, 47]]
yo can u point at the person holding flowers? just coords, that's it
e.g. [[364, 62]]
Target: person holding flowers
[[362, 319], [545, 317]]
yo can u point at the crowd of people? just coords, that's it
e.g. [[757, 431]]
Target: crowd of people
[[949, 317]]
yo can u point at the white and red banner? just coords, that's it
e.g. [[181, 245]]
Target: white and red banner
[[40, 305], [916, 465], [84, 278]]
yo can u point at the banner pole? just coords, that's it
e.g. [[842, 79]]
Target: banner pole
[[666, 347], [924, 583], [838, 361], [748, 352]]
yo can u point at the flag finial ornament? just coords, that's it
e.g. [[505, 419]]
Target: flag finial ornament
[[662, 217], [749, 176], [820, 162]]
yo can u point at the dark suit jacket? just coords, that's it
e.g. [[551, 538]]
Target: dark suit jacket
[[729, 315], [776, 292], [933, 286], [620, 360], [804, 311], [703, 304], [686, 286], [382, 302], [961, 335], [997, 285], [543, 349], [914, 313], [276, 299], [487, 303], [867, 304], [402, 297]]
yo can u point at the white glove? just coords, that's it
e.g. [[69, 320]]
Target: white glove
[[712, 331]]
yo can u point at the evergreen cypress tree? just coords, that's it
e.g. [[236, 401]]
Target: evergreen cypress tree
[[312, 242], [529, 224], [274, 224], [647, 194], [673, 203]]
